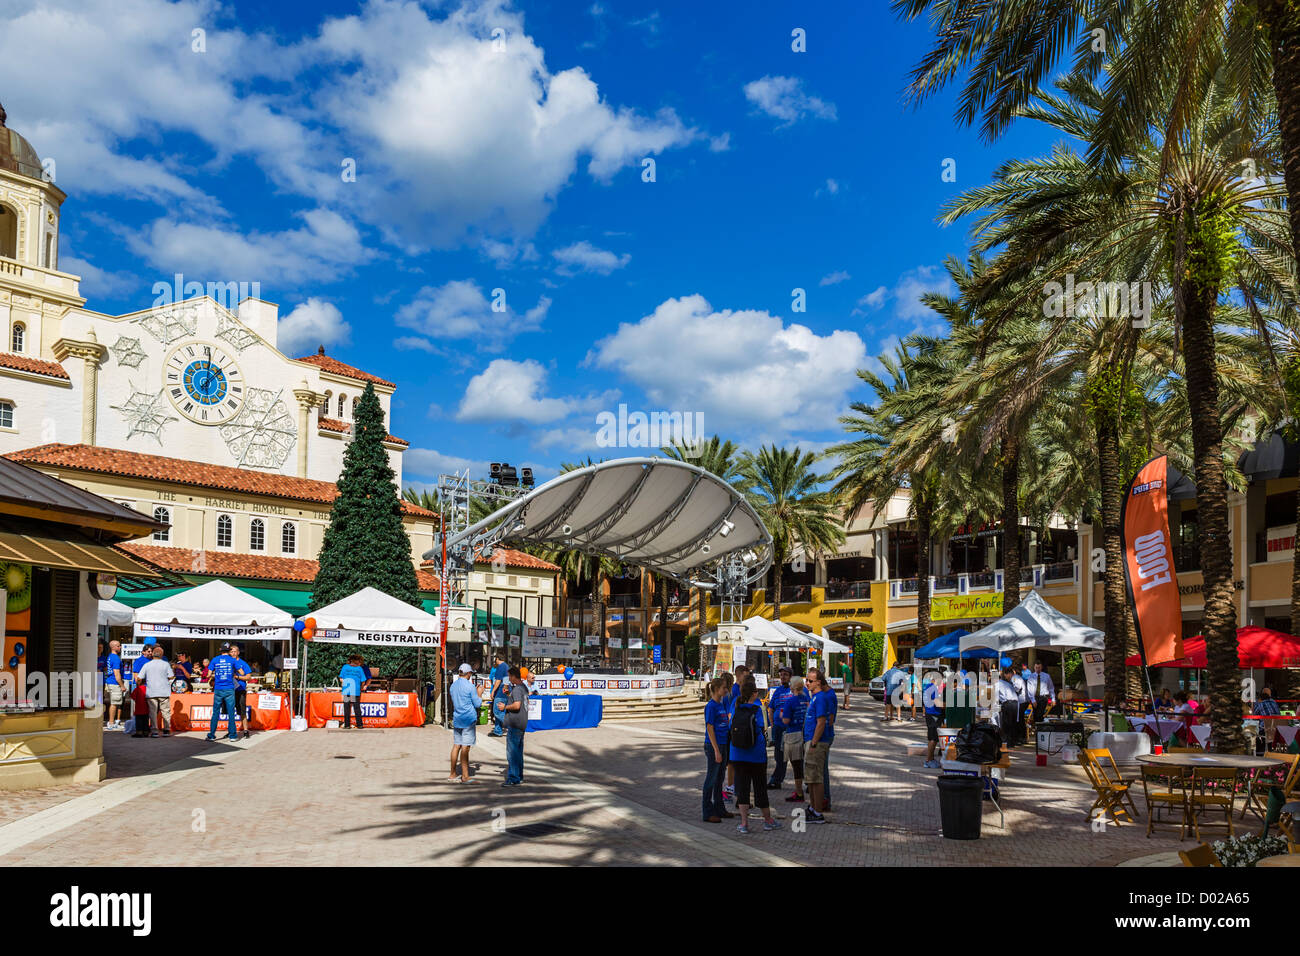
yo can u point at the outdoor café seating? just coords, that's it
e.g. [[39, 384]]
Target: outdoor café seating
[[1211, 790], [1112, 790], [1165, 789]]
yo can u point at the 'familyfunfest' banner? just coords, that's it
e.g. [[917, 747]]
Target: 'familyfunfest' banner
[[1149, 572]]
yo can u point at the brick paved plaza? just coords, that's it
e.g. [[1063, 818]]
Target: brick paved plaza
[[621, 794]]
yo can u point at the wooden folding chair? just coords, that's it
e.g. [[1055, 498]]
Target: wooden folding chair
[[1203, 855], [1111, 794], [1258, 796], [1212, 789], [1173, 795]]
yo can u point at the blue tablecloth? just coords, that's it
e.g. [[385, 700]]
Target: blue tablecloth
[[572, 710]]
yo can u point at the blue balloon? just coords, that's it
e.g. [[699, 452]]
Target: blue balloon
[[20, 648], [568, 673], [299, 625], [13, 662]]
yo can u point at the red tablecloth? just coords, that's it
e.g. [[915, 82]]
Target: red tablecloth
[[268, 710], [377, 710]]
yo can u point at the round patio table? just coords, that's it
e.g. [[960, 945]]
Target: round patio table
[[1222, 761], [1286, 859]]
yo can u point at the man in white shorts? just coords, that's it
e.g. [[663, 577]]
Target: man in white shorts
[[465, 703]]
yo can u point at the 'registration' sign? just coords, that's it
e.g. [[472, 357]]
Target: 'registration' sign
[[382, 638], [957, 606]]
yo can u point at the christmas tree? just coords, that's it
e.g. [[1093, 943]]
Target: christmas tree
[[365, 544]]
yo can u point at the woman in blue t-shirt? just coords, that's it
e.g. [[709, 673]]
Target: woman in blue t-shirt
[[717, 732], [750, 761]]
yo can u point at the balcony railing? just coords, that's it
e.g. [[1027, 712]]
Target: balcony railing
[[982, 579], [945, 582], [1034, 575], [796, 593], [848, 590], [1061, 571]]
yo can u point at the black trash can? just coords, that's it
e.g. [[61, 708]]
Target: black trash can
[[960, 807]]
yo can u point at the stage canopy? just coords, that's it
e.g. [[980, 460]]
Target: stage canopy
[[213, 611], [829, 645], [1257, 647], [372, 617], [761, 634], [1033, 623], [657, 513]]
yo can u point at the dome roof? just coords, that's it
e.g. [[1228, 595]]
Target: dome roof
[[16, 154]]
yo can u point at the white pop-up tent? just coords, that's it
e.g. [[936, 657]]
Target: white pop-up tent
[[115, 614], [211, 611], [372, 617], [1034, 623], [832, 646]]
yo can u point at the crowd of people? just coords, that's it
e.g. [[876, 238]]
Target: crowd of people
[[797, 718], [138, 693]]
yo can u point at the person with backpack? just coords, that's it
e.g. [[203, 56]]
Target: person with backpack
[[733, 692], [790, 714], [748, 755], [774, 698], [717, 750]]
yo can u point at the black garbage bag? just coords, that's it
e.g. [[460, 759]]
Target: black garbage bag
[[979, 743]]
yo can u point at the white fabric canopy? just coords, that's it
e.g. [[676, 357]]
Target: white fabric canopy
[[831, 646], [1033, 623], [115, 614], [372, 617], [761, 634], [213, 610]]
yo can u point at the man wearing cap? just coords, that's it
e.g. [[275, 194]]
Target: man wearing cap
[[500, 675], [773, 702], [464, 722], [223, 693]]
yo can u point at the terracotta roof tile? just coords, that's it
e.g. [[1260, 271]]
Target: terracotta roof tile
[[261, 567], [332, 365], [131, 464], [514, 559], [25, 363], [334, 425]]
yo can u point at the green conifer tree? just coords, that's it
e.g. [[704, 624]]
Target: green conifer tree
[[365, 544]]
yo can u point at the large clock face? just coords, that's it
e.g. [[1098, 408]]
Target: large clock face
[[204, 383]]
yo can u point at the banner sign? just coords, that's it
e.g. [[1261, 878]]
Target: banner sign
[[1280, 543], [1149, 575], [131, 651], [959, 606], [1093, 672], [212, 633], [290, 664], [553, 642], [383, 638]]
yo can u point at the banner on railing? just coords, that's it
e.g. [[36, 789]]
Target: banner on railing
[[958, 606], [1149, 574]]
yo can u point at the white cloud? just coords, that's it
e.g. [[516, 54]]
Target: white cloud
[[747, 371], [720, 144], [783, 98], [96, 281], [835, 278], [905, 296], [430, 463], [312, 323], [872, 300], [584, 257], [510, 391], [460, 310], [408, 343], [323, 247]]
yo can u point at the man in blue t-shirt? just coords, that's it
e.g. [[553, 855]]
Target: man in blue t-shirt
[[242, 669], [932, 698], [774, 698], [352, 684], [114, 684], [818, 735], [500, 675], [223, 693]]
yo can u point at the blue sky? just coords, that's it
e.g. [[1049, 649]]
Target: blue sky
[[515, 164]]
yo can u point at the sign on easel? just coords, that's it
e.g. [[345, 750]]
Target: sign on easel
[[290, 664]]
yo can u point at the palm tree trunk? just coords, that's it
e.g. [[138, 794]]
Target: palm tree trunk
[[663, 617], [1113, 595], [1010, 522], [922, 507], [1220, 624], [598, 610], [777, 567]]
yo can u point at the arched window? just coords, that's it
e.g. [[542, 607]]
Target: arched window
[[8, 233], [288, 538], [354, 408], [18, 341], [225, 531], [341, 398], [257, 535], [6, 414], [165, 516]]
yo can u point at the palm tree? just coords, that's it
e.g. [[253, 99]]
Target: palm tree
[[784, 489], [1176, 209]]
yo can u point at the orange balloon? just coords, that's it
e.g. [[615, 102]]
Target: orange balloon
[[311, 623], [523, 672], [308, 633]]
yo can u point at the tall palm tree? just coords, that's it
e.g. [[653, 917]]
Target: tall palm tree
[[1177, 210], [784, 488]]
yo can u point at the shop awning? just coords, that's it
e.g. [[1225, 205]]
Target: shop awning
[[76, 552], [215, 610], [1256, 647]]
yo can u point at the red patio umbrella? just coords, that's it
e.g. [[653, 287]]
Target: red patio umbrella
[[1257, 647]]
